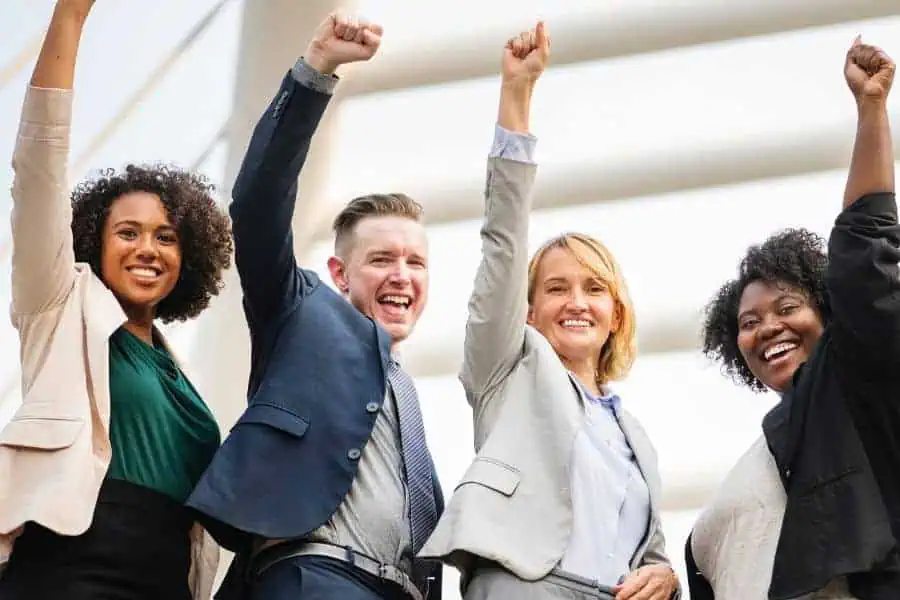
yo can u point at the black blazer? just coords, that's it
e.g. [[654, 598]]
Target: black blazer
[[317, 362], [835, 435]]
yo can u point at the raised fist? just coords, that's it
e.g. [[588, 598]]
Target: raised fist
[[869, 72], [342, 39], [526, 55]]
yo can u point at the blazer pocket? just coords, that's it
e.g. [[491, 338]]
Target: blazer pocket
[[275, 417], [37, 426], [493, 474]]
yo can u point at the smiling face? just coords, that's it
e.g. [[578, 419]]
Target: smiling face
[[572, 306], [384, 272], [778, 327], [141, 253]]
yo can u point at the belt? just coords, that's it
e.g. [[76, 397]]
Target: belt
[[287, 550]]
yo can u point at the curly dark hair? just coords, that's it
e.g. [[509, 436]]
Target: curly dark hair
[[204, 230], [793, 257]]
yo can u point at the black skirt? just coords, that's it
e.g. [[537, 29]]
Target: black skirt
[[137, 548]]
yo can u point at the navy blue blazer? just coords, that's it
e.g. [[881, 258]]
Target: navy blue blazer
[[317, 363]]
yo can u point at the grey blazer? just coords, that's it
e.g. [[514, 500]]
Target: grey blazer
[[513, 504]]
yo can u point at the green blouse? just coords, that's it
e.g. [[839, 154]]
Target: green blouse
[[163, 436]]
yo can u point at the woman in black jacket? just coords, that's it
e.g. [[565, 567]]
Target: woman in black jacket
[[814, 506]]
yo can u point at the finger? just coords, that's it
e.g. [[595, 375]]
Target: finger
[[360, 35], [530, 39], [371, 39], [375, 28], [340, 28], [518, 47], [632, 585]]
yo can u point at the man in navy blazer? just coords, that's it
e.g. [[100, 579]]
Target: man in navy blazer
[[325, 487]]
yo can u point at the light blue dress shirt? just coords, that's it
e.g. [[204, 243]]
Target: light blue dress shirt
[[610, 498]]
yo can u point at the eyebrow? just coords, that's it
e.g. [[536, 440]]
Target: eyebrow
[[134, 223]]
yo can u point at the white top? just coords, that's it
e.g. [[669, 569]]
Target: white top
[[610, 499], [735, 537]]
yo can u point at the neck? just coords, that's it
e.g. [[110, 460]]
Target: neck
[[140, 323], [586, 372]]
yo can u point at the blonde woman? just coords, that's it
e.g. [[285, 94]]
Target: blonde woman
[[561, 500]]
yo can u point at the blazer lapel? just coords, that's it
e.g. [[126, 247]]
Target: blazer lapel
[[644, 455], [102, 315]]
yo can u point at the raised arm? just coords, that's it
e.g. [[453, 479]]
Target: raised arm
[[863, 278], [497, 309], [264, 194], [43, 258], [869, 74]]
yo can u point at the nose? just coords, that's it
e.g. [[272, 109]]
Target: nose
[[401, 273], [770, 327], [578, 301], [147, 249]]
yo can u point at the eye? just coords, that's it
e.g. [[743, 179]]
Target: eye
[[381, 260], [168, 237], [787, 309], [747, 324], [127, 234], [417, 262], [597, 288]]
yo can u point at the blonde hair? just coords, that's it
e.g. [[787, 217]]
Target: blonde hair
[[620, 349]]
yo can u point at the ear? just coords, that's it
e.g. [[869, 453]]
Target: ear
[[338, 271], [616, 321], [529, 318]]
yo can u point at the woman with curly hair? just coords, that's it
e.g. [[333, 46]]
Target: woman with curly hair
[[111, 436], [812, 509]]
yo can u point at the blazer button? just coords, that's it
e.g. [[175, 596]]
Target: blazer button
[[372, 407], [353, 454]]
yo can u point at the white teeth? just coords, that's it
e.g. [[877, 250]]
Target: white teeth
[[402, 300], [142, 272], [576, 323], [778, 349]]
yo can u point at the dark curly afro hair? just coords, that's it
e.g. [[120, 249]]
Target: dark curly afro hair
[[204, 231], [794, 257]]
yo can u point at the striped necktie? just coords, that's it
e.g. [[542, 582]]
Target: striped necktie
[[417, 461]]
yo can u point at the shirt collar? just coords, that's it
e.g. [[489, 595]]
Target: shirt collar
[[609, 399]]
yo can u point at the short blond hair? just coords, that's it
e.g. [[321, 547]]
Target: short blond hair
[[618, 353], [371, 205]]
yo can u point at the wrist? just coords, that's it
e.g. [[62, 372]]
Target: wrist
[[71, 10], [518, 87], [871, 106], [317, 60]]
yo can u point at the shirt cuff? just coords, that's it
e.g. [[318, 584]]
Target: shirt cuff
[[513, 146], [307, 76]]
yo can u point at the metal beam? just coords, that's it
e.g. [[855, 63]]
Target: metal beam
[[659, 171], [618, 29]]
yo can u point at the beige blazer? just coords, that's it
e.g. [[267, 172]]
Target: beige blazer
[[55, 452], [513, 504]]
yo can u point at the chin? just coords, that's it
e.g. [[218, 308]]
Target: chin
[[397, 331]]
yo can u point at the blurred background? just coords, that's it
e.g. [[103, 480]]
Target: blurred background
[[677, 131]]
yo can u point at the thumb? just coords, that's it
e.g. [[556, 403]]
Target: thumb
[[542, 38]]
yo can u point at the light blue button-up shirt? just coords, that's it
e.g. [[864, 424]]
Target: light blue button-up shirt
[[610, 498]]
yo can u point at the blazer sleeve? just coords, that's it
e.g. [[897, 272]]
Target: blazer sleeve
[[863, 281], [495, 329], [264, 197], [43, 260]]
